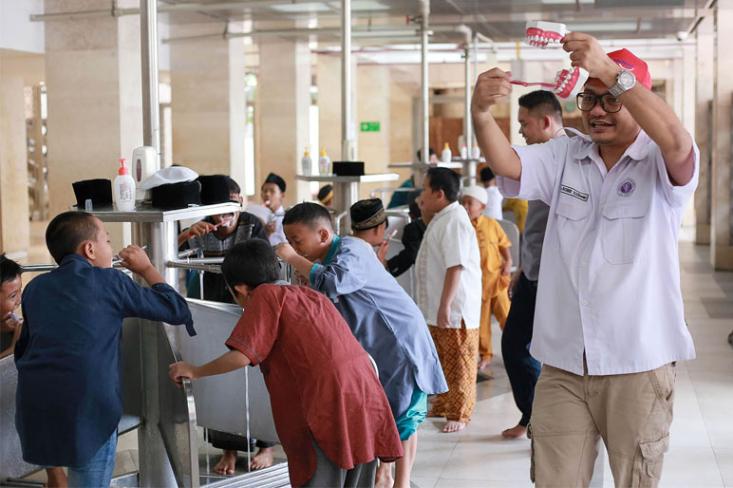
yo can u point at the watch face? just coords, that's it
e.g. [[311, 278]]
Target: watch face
[[626, 79]]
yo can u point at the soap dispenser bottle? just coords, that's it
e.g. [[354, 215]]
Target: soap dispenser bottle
[[124, 189]]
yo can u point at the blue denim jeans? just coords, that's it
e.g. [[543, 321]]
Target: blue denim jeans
[[97, 473]]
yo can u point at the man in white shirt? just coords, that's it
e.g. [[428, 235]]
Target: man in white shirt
[[493, 204], [540, 120], [448, 292], [609, 323]]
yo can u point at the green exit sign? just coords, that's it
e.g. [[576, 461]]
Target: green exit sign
[[370, 126]]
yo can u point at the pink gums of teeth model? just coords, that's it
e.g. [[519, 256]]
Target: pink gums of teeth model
[[568, 82], [545, 34]]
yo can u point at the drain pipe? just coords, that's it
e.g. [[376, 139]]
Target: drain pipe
[[425, 80], [467, 126], [149, 51], [348, 150]]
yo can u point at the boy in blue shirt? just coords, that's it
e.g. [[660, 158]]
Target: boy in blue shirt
[[381, 315], [68, 401]]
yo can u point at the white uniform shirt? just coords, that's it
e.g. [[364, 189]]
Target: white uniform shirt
[[493, 206], [450, 240], [609, 276]]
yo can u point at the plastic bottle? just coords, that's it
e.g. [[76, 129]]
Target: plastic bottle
[[475, 152], [324, 163], [446, 155], [464, 152], [124, 189], [307, 163]]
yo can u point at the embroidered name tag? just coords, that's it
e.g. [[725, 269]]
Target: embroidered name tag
[[569, 190]]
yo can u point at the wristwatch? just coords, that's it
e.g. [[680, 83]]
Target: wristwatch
[[625, 81]]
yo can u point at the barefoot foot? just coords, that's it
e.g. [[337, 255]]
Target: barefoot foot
[[263, 459], [515, 432], [227, 463], [453, 426]]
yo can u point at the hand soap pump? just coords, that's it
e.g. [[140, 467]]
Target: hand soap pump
[[324, 163], [307, 163], [446, 156], [124, 189]]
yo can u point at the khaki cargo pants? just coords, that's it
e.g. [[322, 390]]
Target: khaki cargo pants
[[630, 412]]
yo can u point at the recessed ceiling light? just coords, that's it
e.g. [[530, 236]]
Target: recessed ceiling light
[[362, 5], [301, 8]]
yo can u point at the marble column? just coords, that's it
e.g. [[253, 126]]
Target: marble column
[[721, 221], [704, 51], [14, 227], [283, 104], [94, 98], [373, 105], [208, 101], [328, 81]]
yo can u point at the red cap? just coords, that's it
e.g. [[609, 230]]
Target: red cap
[[629, 62], [122, 169]]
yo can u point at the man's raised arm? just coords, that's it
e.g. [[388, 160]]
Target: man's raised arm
[[491, 87]]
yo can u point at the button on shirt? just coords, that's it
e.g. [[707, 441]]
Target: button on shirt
[[609, 276], [449, 241]]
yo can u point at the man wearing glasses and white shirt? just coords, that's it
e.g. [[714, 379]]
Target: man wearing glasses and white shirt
[[609, 323]]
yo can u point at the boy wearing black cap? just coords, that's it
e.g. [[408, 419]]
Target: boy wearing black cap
[[369, 223]]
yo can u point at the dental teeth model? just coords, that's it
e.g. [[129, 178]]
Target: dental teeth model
[[545, 34], [567, 84]]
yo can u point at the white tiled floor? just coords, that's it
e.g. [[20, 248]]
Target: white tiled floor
[[701, 451]]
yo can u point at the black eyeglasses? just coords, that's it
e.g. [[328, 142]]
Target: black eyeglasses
[[587, 101]]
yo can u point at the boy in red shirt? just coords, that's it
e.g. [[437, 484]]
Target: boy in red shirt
[[330, 411]]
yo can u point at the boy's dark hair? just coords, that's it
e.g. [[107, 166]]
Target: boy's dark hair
[[9, 269], [233, 186], [277, 180], [487, 174], [307, 213], [67, 230], [542, 102], [445, 179], [252, 263]]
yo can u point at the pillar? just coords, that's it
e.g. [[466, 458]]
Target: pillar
[[704, 51], [283, 104], [208, 101], [721, 221], [328, 81], [14, 226], [373, 105], [94, 98]]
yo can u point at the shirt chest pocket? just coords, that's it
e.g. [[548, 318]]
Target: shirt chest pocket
[[622, 229], [571, 220]]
